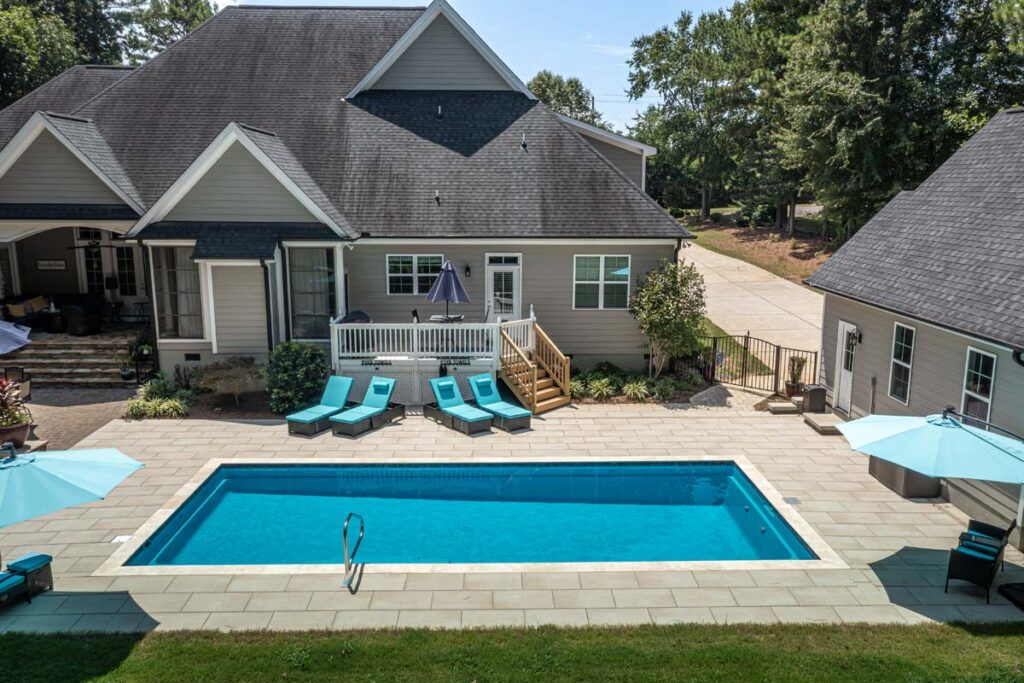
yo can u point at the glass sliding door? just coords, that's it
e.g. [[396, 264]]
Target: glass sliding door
[[178, 296]]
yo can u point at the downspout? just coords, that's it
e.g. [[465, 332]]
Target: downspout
[[147, 268], [266, 303], [287, 313]]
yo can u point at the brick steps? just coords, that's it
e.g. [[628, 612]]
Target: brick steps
[[75, 361]]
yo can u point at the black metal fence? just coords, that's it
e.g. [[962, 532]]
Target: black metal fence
[[751, 362]]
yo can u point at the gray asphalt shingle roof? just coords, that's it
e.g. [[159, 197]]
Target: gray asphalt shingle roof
[[952, 251], [380, 160], [64, 93], [230, 240]]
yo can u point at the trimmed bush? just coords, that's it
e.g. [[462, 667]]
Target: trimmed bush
[[295, 376], [158, 399], [602, 388], [577, 388], [637, 391], [235, 377]]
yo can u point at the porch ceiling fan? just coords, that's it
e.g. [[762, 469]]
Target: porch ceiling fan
[[92, 244]]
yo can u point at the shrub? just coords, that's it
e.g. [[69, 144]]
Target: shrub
[[665, 389], [716, 217], [235, 377], [676, 212], [668, 305], [637, 390], [158, 398], [601, 389], [295, 376], [577, 387], [796, 368]]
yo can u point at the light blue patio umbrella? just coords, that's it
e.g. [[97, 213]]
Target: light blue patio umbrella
[[938, 446], [35, 484], [448, 288]]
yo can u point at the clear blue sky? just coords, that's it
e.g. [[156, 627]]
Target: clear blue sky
[[588, 39]]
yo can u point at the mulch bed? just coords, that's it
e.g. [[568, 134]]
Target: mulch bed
[[252, 406]]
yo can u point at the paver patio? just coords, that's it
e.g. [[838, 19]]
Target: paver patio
[[895, 549]]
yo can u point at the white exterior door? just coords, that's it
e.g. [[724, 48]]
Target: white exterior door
[[503, 297], [100, 258], [846, 351]]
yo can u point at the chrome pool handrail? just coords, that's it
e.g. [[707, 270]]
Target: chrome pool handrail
[[349, 571]]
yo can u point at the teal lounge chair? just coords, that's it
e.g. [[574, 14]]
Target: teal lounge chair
[[314, 420], [451, 411], [375, 410], [507, 416], [12, 587]]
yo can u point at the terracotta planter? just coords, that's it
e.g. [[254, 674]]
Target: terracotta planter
[[16, 434]]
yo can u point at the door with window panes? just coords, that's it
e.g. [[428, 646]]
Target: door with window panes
[[110, 268]]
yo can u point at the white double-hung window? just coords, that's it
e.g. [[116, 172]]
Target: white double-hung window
[[412, 273], [902, 362], [600, 282], [979, 382]]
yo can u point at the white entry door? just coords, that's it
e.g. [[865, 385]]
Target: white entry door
[[846, 351], [504, 287], [100, 258]]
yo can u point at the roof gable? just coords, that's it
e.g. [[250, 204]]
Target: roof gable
[[68, 151], [440, 52], [245, 174]]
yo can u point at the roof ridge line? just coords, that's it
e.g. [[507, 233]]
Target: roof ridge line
[[246, 126], [67, 117]]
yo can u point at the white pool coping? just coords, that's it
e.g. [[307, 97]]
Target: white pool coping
[[115, 564]]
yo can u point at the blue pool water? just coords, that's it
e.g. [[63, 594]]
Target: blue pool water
[[557, 512]]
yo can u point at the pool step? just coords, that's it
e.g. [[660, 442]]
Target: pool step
[[783, 408]]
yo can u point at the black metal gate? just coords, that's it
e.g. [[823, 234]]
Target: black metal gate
[[751, 362]]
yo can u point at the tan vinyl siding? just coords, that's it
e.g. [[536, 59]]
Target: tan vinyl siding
[[239, 309], [239, 188], [547, 283], [630, 163], [173, 354], [937, 379], [48, 173], [441, 59]]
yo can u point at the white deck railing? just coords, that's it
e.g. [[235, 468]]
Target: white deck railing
[[414, 341]]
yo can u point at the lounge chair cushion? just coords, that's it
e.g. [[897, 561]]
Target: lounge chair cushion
[[378, 394], [974, 553], [357, 414], [446, 391], [29, 563], [311, 415], [10, 581], [468, 413], [487, 397], [336, 392]]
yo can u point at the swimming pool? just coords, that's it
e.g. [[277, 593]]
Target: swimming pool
[[474, 514]]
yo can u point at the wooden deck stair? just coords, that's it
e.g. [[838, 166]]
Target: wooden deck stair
[[538, 378]]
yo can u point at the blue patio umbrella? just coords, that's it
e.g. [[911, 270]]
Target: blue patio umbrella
[[35, 484], [938, 446], [448, 288]]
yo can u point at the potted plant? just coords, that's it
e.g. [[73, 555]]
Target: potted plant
[[795, 385], [15, 417], [126, 367], [143, 351]]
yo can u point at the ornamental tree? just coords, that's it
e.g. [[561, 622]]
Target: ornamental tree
[[668, 304]]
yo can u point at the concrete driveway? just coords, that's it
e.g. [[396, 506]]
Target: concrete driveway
[[743, 298]]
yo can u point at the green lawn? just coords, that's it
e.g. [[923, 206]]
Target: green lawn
[[672, 653], [734, 352]]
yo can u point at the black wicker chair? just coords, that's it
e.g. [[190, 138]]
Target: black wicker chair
[[80, 322], [979, 567]]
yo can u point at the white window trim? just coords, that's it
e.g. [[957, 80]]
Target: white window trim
[[339, 291], [909, 366], [415, 272], [205, 303], [988, 400], [601, 282]]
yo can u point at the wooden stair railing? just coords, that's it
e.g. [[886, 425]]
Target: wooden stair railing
[[518, 372], [521, 372]]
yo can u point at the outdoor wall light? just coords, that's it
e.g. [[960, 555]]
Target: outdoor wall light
[[468, 271]]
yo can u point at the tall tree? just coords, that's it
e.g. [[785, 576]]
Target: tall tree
[[687, 64], [96, 25], [566, 96], [1010, 14], [157, 24], [32, 51]]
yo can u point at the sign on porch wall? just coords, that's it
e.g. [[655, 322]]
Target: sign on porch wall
[[52, 264]]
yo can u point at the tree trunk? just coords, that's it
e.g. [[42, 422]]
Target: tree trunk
[[705, 201], [791, 226], [780, 214]]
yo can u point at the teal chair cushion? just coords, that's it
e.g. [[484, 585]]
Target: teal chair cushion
[[974, 553], [30, 563], [9, 581], [468, 413], [310, 415], [484, 390], [446, 391], [336, 392], [507, 410], [378, 394], [357, 414]]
